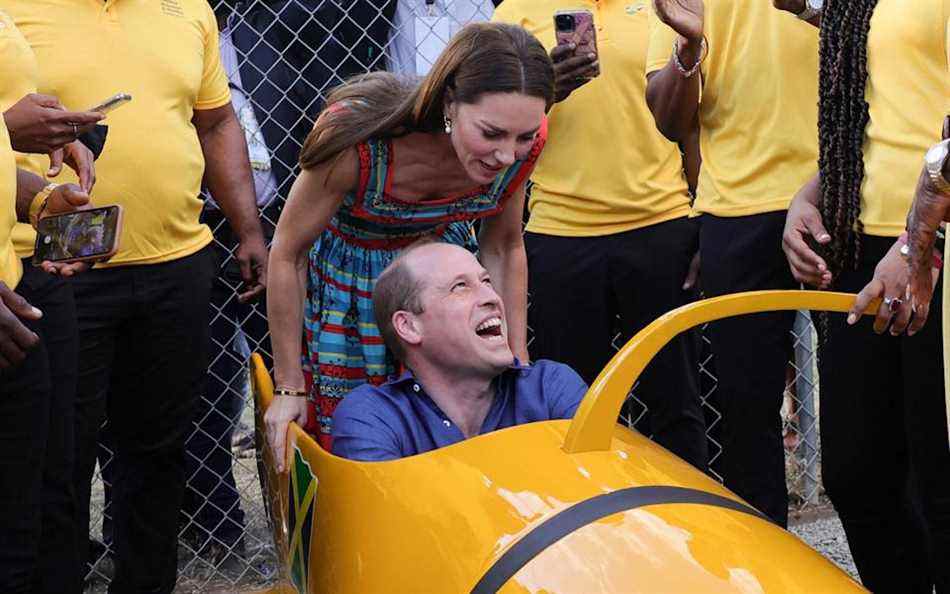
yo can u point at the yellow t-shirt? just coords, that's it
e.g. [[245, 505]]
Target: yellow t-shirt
[[605, 168], [19, 73], [907, 93], [10, 267], [946, 267], [165, 54], [759, 108]]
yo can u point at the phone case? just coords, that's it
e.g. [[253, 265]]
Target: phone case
[[101, 257], [584, 34]]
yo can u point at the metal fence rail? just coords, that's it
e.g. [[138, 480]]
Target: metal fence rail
[[290, 54]]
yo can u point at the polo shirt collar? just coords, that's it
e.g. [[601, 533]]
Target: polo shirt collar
[[407, 376]]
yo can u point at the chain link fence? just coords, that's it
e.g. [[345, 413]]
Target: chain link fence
[[282, 58]]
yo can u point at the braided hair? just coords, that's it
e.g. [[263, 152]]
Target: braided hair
[[843, 117]]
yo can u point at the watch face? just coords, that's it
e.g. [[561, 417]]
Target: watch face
[[815, 4]]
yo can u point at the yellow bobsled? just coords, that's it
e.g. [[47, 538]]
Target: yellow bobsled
[[583, 506]]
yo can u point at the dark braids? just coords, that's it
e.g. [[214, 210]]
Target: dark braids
[[842, 119]]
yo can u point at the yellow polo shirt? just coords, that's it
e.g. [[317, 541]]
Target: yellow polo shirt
[[907, 91], [759, 108], [605, 168], [19, 73], [10, 267], [17, 77], [165, 54]]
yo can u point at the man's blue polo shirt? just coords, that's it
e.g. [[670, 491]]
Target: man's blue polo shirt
[[399, 419]]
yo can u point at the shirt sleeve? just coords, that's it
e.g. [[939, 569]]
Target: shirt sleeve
[[660, 47], [360, 430], [567, 390], [214, 91], [504, 14]]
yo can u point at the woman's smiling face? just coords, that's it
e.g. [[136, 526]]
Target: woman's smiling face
[[493, 133]]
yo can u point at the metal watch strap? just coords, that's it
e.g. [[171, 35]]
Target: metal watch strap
[[809, 13], [939, 182]]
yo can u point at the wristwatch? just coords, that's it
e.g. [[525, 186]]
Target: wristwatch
[[935, 162], [813, 8]]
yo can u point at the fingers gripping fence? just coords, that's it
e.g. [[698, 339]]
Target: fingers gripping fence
[[282, 58]]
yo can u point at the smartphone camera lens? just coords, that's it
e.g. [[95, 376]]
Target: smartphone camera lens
[[564, 22]]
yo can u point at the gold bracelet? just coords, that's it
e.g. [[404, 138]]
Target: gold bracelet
[[287, 392], [38, 205]]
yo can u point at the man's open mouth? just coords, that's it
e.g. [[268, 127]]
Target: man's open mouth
[[490, 328]]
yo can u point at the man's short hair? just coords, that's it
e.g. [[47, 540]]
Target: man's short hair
[[396, 289]]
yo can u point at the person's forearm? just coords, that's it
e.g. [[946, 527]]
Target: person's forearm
[[28, 185], [508, 268], [928, 210], [228, 176], [811, 191], [285, 296], [674, 99]]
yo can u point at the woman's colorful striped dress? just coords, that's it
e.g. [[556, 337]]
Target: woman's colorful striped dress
[[343, 346]]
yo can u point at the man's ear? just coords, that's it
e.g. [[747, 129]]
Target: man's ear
[[408, 327]]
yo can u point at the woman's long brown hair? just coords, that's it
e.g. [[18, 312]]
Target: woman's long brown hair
[[481, 58]]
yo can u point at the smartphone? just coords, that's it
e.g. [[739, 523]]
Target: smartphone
[[576, 26], [111, 103], [83, 236]]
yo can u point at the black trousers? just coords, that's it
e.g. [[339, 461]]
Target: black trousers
[[885, 460], [750, 355], [38, 519], [142, 359], [212, 503], [579, 285]]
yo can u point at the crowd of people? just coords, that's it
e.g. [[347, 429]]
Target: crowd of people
[[703, 148]]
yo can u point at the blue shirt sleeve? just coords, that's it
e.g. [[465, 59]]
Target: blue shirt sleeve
[[360, 429], [563, 390]]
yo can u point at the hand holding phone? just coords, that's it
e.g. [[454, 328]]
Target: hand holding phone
[[113, 102], [575, 57], [81, 236]]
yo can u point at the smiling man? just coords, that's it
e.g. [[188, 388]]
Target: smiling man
[[437, 311]]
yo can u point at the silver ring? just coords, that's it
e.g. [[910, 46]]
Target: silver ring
[[75, 130], [893, 303], [905, 250]]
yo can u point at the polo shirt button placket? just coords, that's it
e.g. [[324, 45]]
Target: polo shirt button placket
[[109, 12]]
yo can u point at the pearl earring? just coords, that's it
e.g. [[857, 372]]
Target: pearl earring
[[448, 124]]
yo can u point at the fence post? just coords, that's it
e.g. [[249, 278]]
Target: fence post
[[805, 389]]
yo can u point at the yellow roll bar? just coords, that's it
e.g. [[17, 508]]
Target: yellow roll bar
[[592, 427]]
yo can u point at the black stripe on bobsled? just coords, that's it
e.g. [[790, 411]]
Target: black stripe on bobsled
[[589, 511]]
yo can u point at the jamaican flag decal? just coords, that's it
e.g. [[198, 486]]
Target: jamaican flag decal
[[303, 491]]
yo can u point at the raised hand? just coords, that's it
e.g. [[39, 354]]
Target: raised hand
[[571, 71], [683, 16]]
